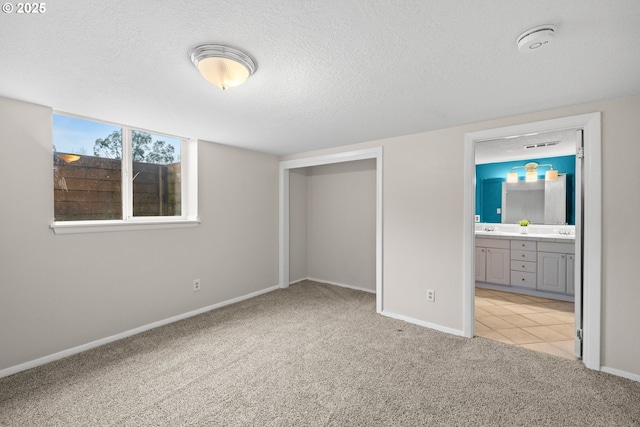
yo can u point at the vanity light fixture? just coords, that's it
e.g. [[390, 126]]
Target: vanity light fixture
[[532, 174], [551, 175], [222, 65]]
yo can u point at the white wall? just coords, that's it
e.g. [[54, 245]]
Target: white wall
[[333, 223], [422, 224], [61, 291]]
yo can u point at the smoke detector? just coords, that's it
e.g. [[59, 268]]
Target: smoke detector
[[535, 38]]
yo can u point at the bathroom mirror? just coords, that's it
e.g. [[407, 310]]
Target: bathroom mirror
[[541, 202]]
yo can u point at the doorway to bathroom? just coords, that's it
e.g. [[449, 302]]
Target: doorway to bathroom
[[532, 312], [525, 283]]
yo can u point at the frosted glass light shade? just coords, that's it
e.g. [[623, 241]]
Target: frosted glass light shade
[[532, 176], [223, 66], [512, 177], [551, 175], [223, 72]]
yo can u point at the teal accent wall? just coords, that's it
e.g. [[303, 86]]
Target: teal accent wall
[[490, 176]]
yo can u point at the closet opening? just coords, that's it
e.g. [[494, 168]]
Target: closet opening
[[292, 173]]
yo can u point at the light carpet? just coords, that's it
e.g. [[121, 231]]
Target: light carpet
[[313, 355]]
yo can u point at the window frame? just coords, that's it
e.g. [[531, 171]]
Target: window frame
[[188, 188]]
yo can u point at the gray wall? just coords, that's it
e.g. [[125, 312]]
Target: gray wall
[[336, 222], [422, 226], [61, 291]]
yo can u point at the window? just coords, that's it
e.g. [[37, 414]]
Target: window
[[111, 175]]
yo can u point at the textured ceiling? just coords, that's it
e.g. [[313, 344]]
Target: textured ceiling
[[329, 72], [549, 144]]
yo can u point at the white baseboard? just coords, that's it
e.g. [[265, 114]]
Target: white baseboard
[[612, 371], [97, 343], [389, 314], [423, 323], [84, 347], [342, 285], [619, 373]]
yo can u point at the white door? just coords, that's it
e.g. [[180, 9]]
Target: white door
[[577, 268]]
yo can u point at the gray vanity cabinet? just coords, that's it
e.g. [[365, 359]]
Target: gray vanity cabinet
[[535, 266], [552, 272], [553, 263], [492, 261], [523, 263]]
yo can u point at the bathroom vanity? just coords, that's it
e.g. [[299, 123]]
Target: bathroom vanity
[[539, 263]]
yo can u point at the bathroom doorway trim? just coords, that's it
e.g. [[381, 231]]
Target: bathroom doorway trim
[[592, 224]]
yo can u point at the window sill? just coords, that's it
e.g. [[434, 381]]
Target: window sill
[[78, 227]]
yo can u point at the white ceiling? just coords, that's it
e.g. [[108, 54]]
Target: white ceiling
[[330, 73], [549, 144]]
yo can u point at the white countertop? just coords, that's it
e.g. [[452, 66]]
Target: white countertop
[[551, 237]]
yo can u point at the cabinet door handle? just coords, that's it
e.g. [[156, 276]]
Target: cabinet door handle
[[522, 255], [523, 279], [523, 266]]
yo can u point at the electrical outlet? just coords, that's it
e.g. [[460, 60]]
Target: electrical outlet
[[431, 295], [196, 285]]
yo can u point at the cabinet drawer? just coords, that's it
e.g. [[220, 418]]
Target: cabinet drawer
[[523, 245], [526, 266], [523, 279], [561, 248], [492, 243], [524, 255]]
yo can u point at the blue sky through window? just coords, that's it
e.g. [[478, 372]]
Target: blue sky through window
[[78, 136]]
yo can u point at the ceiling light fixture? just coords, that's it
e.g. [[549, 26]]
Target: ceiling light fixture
[[222, 65], [535, 38]]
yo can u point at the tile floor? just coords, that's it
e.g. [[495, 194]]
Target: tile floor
[[539, 324]]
